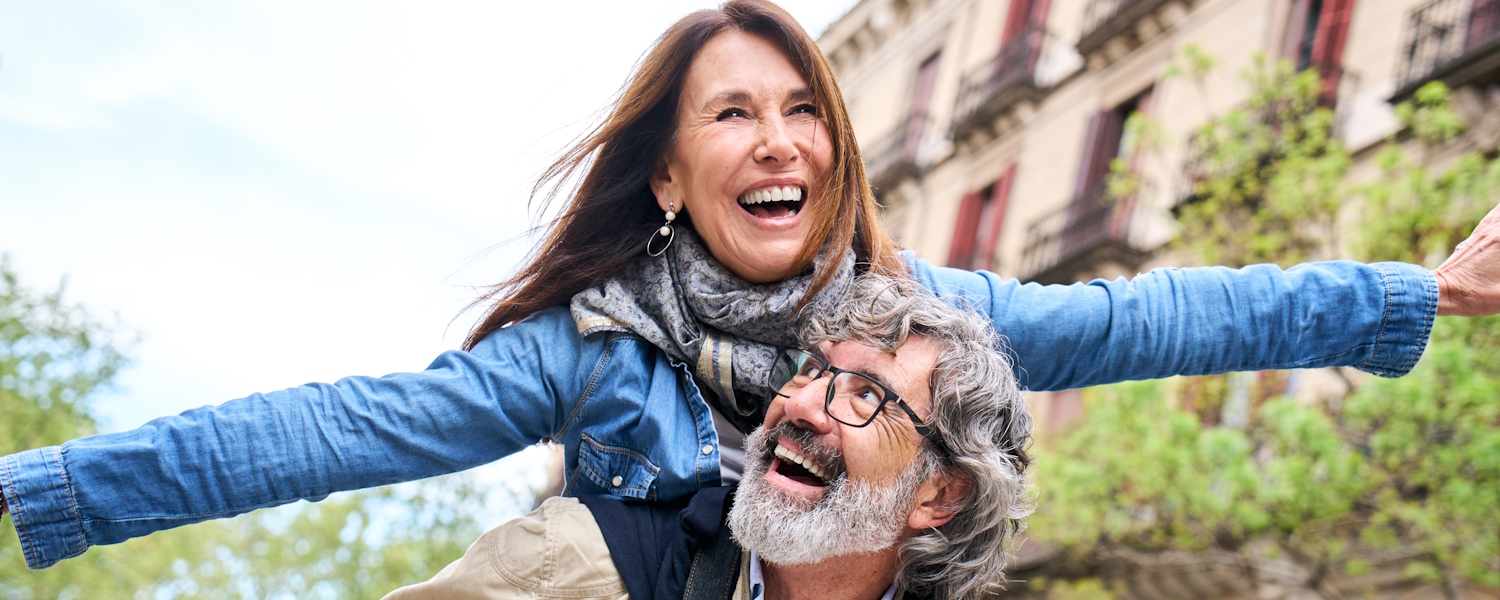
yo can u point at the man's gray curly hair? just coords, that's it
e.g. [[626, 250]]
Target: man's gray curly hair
[[978, 413]]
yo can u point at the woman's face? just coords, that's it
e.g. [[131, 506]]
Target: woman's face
[[750, 147]]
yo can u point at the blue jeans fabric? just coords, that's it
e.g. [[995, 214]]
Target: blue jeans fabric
[[633, 423]]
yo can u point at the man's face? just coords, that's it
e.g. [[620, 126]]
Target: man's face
[[816, 488]]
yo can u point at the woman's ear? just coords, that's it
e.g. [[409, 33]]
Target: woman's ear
[[938, 500], [665, 190]]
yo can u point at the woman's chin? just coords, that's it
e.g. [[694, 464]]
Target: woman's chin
[[767, 266], [758, 255]]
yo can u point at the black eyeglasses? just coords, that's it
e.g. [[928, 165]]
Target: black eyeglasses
[[854, 398]]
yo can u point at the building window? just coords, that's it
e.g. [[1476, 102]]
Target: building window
[[1316, 32], [1103, 142], [921, 99], [981, 218], [1022, 14], [1093, 217]]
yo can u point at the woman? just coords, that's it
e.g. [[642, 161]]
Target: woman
[[722, 194]]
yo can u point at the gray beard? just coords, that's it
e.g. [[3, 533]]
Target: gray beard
[[853, 517]]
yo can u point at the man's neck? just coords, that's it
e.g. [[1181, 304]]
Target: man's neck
[[854, 577]]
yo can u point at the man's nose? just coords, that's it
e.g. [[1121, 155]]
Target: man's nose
[[804, 407]]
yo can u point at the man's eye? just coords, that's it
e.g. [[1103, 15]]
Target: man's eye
[[732, 113]]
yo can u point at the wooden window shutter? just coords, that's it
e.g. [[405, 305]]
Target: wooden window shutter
[[965, 230], [1017, 17], [993, 219], [1081, 181], [1296, 25], [1020, 15], [921, 99], [1328, 45], [1484, 20]]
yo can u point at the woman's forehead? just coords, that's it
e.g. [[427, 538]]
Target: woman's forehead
[[735, 65]]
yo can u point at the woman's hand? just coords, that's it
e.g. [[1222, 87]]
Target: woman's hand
[[1469, 281]]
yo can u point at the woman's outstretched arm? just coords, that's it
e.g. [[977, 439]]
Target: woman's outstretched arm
[[1374, 317], [1208, 320], [466, 409]]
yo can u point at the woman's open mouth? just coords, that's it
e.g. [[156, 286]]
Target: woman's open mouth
[[778, 202]]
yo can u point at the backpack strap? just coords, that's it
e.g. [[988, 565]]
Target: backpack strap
[[715, 569]]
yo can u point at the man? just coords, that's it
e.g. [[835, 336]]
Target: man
[[890, 465]]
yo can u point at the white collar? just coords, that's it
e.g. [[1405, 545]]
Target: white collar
[[758, 582]]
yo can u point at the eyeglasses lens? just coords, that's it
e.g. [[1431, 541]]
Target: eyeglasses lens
[[855, 399]]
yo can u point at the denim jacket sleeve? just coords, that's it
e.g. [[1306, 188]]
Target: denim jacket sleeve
[[1195, 321], [466, 409]]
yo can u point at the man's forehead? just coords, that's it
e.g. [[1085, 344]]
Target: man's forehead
[[905, 370]]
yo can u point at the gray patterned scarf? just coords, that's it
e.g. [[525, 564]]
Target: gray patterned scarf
[[695, 310]]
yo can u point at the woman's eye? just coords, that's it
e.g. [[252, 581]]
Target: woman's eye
[[805, 109], [732, 113]]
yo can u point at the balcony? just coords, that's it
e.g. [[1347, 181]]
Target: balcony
[[1455, 41], [893, 157], [1065, 244], [1104, 20], [1000, 83]]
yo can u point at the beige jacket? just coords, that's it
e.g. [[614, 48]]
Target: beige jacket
[[554, 552]]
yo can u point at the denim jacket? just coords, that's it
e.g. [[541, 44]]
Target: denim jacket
[[632, 421]]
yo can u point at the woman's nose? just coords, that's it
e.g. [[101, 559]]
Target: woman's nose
[[776, 143]]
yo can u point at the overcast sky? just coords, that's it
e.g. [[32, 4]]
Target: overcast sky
[[271, 193]]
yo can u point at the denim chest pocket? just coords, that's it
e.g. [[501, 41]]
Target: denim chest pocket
[[619, 471]]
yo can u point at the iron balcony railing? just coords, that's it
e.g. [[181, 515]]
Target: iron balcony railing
[[1066, 241], [1104, 19], [894, 156], [1001, 82], [1444, 35]]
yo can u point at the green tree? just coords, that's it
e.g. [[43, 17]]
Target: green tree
[[55, 357], [1398, 474]]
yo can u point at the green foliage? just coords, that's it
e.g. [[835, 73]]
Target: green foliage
[[54, 357], [1169, 482], [1081, 589], [1423, 214], [1269, 175], [1192, 62], [1435, 434]]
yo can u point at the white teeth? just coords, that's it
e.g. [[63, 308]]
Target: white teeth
[[775, 194], [806, 463]]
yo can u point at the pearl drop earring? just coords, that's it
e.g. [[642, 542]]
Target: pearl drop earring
[[666, 231]]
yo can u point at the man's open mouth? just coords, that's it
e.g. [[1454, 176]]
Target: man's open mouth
[[798, 468], [774, 202]]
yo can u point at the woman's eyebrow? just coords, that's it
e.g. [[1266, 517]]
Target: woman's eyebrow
[[800, 95], [730, 97]]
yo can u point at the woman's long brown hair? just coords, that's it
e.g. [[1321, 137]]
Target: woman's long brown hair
[[613, 211]]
